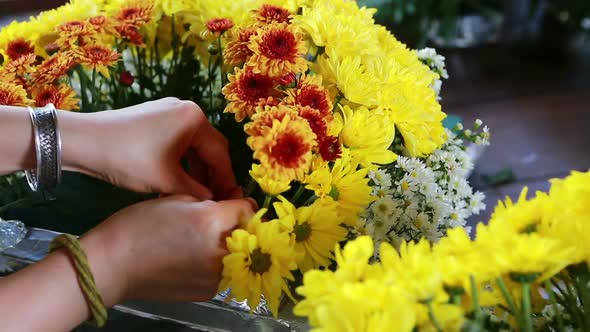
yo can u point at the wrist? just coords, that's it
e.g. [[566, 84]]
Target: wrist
[[81, 142], [105, 252]]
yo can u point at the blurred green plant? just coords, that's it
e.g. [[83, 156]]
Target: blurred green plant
[[419, 21], [415, 18], [574, 14]]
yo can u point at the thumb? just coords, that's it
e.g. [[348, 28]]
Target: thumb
[[185, 184]]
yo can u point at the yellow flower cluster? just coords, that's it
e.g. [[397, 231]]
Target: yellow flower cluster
[[425, 287], [321, 89], [365, 64]]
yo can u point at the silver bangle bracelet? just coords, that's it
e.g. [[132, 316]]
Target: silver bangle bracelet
[[47, 175]]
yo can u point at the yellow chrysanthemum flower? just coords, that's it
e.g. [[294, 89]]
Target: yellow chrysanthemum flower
[[270, 186], [568, 217], [285, 149], [413, 269], [457, 259], [316, 230], [368, 134], [509, 252], [258, 263], [522, 216], [365, 307], [352, 267], [349, 31], [343, 184]]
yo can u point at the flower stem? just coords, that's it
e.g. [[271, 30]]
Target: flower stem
[[507, 297], [267, 201], [527, 314], [549, 290], [221, 72], [475, 300], [582, 282], [82, 78], [310, 200], [298, 193], [209, 78], [432, 317], [571, 303]]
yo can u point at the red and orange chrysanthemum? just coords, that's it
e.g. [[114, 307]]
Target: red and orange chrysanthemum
[[310, 92], [270, 13], [246, 91], [285, 148], [102, 24], [263, 121], [219, 25], [53, 68], [20, 66], [75, 33], [131, 18], [62, 97], [278, 50], [97, 57], [137, 14], [237, 52], [316, 120], [18, 48], [13, 95]]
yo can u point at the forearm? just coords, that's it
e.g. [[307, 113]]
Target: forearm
[[47, 296], [79, 134], [17, 149]]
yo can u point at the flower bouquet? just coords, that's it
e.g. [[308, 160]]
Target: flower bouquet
[[335, 126]]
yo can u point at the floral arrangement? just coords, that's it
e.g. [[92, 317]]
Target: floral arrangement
[[335, 125], [527, 270]]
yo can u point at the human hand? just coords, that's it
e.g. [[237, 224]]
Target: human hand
[[165, 249], [141, 147]]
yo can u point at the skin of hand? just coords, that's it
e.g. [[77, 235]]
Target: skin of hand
[[167, 249], [141, 147]]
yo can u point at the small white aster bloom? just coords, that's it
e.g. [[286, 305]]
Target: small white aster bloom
[[384, 207], [476, 204]]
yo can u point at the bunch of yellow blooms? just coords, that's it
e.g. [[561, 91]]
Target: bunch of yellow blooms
[[528, 269], [311, 92]]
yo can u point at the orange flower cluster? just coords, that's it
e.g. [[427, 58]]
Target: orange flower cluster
[[31, 79], [291, 113]]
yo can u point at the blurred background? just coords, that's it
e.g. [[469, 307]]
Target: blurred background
[[521, 66]]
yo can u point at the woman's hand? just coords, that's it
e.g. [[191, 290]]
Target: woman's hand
[[170, 248], [165, 249], [141, 147]]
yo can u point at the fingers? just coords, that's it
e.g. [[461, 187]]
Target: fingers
[[212, 148], [236, 212], [185, 184]]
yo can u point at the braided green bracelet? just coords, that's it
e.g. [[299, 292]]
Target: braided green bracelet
[[85, 277]]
